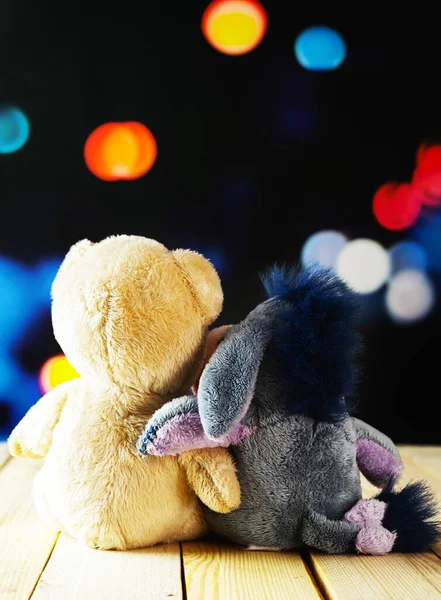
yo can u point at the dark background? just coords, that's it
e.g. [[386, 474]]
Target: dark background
[[255, 154]]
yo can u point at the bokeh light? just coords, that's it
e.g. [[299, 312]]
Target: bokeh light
[[320, 48], [427, 175], [234, 26], [407, 255], [55, 370], [410, 296], [116, 151], [364, 264], [14, 129], [323, 248], [397, 206], [428, 234]]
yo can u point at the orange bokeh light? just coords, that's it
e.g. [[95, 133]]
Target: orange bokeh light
[[115, 151], [234, 26]]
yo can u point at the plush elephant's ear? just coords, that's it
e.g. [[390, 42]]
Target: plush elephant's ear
[[227, 383]]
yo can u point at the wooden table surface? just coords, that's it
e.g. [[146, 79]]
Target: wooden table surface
[[38, 563]]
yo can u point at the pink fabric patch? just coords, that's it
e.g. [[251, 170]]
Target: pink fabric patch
[[372, 538], [185, 432], [376, 463]]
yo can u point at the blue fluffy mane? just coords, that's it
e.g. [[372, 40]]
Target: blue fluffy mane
[[314, 342]]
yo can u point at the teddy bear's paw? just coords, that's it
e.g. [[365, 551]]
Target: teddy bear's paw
[[18, 448], [100, 539]]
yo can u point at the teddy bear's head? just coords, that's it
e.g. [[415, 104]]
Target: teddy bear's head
[[132, 311]]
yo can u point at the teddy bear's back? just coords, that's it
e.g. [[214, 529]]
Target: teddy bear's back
[[95, 484]]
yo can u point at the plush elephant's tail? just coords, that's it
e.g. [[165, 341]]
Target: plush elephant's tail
[[411, 514], [394, 521]]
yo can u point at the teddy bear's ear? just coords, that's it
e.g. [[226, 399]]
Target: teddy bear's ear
[[76, 252], [203, 277], [79, 249]]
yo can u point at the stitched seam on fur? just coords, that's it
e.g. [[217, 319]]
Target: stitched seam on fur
[[190, 286]]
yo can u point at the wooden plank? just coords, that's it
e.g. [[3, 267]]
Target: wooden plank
[[75, 571], [25, 542], [424, 462], [397, 575], [403, 576], [4, 454], [222, 572]]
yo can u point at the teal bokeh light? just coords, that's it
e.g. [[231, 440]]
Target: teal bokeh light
[[320, 48], [14, 129]]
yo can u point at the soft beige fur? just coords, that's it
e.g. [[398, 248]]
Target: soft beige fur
[[132, 318]]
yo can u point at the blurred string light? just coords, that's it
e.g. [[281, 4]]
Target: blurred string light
[[116, 151], [427, 174], [323, 248], [410, 296], [407, 255], [55, 370], [320, 48], [216, 255], [234, 26], [364, 265], [24, 300], [397, 206], [14, 129], [428, 234]]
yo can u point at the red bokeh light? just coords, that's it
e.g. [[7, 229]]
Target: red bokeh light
[[397, 206], [427, 175]]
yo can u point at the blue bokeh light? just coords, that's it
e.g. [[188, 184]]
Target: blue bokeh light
[[408, 255], [428, 234], [323, 248], [14, 129], [216, 255], [320, 48], [24, 300]]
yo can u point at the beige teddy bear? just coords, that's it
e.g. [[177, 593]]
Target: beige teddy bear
[[132, 317]]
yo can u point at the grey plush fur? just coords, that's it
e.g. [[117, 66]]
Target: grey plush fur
[[298, 475]]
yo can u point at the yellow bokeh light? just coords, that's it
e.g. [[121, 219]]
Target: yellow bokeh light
[[234, 26], [56, 370]]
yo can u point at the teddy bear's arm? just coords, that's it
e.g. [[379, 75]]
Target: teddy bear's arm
[[377, 456], [32, 437], [177, 427], [212, 475]]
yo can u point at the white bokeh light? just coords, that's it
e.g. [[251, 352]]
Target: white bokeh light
[[364, 265], [410, 296], [323, 248]]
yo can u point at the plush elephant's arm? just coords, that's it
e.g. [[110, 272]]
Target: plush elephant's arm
[[176, 427], [377, 456], [32, 437]]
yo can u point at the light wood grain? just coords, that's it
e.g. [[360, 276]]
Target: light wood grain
[[424, 462], [394, 576], [4, 454], [77, 572], [391, 577], [216, 571], [25, 542]]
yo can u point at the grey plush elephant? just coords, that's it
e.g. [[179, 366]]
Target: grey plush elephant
[[276, 392]]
